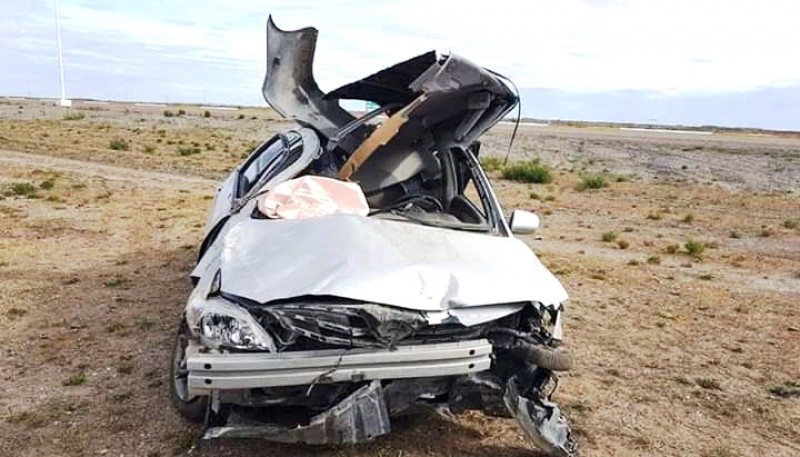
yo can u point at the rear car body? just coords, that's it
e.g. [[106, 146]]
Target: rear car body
[[319, 324]]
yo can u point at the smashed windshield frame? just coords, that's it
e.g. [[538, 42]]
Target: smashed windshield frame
[[409, 211]]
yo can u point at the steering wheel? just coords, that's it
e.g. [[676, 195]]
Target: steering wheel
[[422, 198]]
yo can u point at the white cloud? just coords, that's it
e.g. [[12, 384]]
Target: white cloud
[[675, 47]]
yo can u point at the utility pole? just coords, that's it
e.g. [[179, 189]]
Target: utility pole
[[63, 101]]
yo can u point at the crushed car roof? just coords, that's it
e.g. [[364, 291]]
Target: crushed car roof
[[448, 98]]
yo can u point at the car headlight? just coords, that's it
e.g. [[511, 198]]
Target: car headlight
[[222, 324]]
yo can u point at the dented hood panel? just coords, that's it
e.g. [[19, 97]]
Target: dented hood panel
[[381, 261]]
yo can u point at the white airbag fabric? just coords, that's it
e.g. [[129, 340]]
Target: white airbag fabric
[[313, 196]]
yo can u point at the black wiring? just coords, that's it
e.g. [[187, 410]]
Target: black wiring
[[519, 112]]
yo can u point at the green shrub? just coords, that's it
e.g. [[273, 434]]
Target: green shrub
[[695, 248], [48, 183], [76, 379], [181, 112], [73, 116], [115, 282], [609, 236], [20, 189], [149, 149], [529, 172], [791, 224], [119, 144], [592, 182], [168, 113], [206, 113], [654, 260], [671, 249], [491, 163], [188, 151], [708, 383], [623, 244]]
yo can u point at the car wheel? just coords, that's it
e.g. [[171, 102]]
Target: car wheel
[[192, 408]]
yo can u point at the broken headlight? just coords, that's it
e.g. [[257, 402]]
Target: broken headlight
[[222, 324]]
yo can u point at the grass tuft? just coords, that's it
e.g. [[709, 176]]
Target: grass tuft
[[188, 151], [115, 282], [76, 379], [654, 260], [490, 163], [592, 182], [609, 236], [708, 383], [791, 224], [786, 390], [19, 189], [695, 248], [118, 144], [528, 172], [73, 116]]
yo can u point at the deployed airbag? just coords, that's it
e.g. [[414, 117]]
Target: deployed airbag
[[313, 196]]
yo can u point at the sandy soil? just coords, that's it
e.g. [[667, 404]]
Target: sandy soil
[[676, 354]]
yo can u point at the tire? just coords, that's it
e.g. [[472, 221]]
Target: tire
[[192, 408]]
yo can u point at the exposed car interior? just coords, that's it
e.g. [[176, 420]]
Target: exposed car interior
[[425, 186]]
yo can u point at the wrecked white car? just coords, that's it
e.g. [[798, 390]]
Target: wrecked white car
[[355, 267]]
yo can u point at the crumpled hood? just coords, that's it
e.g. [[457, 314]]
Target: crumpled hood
[[381, 261]]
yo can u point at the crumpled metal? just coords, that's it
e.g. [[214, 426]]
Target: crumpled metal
[[358, 418]]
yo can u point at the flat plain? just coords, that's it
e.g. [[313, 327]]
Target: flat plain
[[683, 268]]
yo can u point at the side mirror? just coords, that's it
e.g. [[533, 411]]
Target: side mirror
[[522, 222]]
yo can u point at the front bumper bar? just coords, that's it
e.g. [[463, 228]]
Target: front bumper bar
[[221, 371]]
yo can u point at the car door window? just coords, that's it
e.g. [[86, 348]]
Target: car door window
[[267, 160]]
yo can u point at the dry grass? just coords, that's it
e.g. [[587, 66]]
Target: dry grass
[[93, 279]]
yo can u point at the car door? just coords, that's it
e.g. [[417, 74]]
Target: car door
[[242, 179], [280, 158]]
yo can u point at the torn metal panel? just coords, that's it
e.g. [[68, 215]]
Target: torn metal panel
[[390, 85], [359, 418], [289, 85], [542, 421], [381, 261]]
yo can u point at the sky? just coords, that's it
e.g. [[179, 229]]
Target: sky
[[690, 62]]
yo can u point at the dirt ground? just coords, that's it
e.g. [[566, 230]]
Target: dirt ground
[[677, 354]]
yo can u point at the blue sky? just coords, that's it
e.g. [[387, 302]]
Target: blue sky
[[682, 62]]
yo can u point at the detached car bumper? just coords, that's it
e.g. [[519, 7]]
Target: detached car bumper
[[223, 371]]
